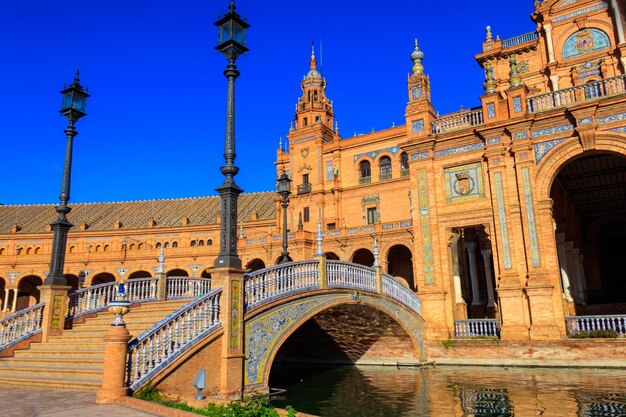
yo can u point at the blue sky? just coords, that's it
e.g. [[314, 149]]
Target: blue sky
[[155, 124]]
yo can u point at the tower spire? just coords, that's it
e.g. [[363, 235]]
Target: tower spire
[[416, 57], [313, 62]]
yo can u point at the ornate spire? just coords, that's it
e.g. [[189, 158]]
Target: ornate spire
[[416, 57], [313, 72], [514, 78], [488, 36], [490, 82]]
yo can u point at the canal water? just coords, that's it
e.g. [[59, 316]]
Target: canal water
[[364, 391]]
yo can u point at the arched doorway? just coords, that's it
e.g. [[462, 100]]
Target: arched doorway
[[140, 274], [363, 257], [589, 194], [255, 264], [72, 281], [400, 263], [332, 256], [28, 292], [3, 286], [102, 278], [177, 273]]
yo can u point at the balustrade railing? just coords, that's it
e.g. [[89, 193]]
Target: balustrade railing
[[577, 325], [21, 325], [167, 339], [185, 287], [526, 37], [477, 328], [578, 94], [343, 274], [267, 284], [393, 289], [458, 121]]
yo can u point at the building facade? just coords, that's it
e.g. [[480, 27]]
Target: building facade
[[511, 210]]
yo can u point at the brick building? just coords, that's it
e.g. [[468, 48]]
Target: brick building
[[512, 210]]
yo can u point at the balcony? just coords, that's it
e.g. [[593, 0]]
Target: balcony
[[579, 94], [518, 40], [384, 176], [458, 121], [473, 328], [365, 180], [596, 326], [304, 188]]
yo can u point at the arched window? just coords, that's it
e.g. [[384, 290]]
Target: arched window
[[37, 250], [385, 168], [404, 164], [209, 242], [192, 243], [132, 246], [72, 249], [98, 248], [175, 244], [106, 248], [29, 251], [201, 242], [158, 245], [167, 245], [140, 246], [2, 251], [365, 172]]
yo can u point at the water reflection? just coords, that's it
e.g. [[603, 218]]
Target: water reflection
[[451, 391]]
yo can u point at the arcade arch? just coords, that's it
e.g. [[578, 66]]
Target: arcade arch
[[255, 264], [400, 263], [363, 257]]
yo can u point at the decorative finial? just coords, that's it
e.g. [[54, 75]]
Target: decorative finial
[[76, 77], [416, 57], [280, 143], [291, 124], [319, 238], [119, 306], [313, 62], [514, 78], [489, 36], [336, 126], [376, 253], [232, 5]]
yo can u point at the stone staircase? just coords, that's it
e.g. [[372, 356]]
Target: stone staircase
[[74, 360]]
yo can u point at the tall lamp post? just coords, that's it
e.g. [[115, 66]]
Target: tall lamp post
[[283, 188], [232, 43], [73, 108]]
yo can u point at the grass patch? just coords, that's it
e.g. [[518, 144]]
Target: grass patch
[[447, 344], [253, 408], [601, 334]]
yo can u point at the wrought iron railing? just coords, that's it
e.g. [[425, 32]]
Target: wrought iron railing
[[365, 180], [526, 37], [578, 94], [393, 289], [304, 188], [577, 325], [270, 283], [166, 340], [458, 121], [342, 274], [385, 176], [477, 328], [21, 325]]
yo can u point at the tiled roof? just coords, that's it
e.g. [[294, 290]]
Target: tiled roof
[[136, 214]]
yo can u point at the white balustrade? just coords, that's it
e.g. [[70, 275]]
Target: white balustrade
[[20, 325], [393, 289], [458, 121], [578, 94], [185, 287], [280, 280], [526, 37], [167, 339], [477, 328], [589, 324], [343, 274]]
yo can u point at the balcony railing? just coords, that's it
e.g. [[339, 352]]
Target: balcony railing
[[458, 121], [579, 325], [365, 180], [477, 328], [304, 188], [579, 94], [384, 176], [526, 37], [404, 172]]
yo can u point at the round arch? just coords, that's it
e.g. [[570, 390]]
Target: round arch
[[28, 291], [206, 272], [178, 272], [289, 259], [72, 281], [255, 264], [332, 256], [139, 273], [400, 263], [264, 337], [363, 257], [101, 278]]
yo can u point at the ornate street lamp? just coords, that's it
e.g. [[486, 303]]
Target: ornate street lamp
[[283, 188], [73, 108], [232, 43]]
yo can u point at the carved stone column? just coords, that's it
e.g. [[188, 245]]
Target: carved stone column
[[471, 254], [456, 273], [560, 246], [488, 277], [548, 30], [572, 269]]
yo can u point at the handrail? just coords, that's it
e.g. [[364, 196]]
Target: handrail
[[526, 37], [185, 287], [477, 328], [270, 283], [393, 289], [167, 339], [457, 121], [342, 274], [21, 325], [589, 324], [572, 95]]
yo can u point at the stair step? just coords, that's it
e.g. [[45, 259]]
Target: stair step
[[51, 382]]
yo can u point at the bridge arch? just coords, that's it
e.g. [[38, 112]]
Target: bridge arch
[[267, 331]]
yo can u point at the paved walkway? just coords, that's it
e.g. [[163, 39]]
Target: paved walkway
[[39, 402]]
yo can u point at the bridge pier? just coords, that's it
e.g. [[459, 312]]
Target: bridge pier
[[232, 313]]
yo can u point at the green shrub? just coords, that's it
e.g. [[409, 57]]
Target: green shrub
[[606, 334], [253, 408], [447, 344]]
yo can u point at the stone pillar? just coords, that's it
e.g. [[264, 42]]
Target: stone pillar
[[15, 293], [460, 306], [114, 371], [161, 286], [619, 26], [488, 277], [548, 31], [6, 299], [571, 269], [321, 269], [231, 315], [560, 246], [53, 319], [554, 79], [471, 254], [580, 269]]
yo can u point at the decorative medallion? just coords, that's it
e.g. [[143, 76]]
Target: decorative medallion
[[464, 182], [305, 152], [522, 66], [585, 41]]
